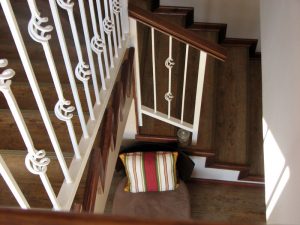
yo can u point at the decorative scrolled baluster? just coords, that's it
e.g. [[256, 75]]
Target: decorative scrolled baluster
[[39, 32], [70, 71], [98, 45], [116, 6], [64, 111], [169, 96], [107, 25], [68, 5], [102, 35], [83, 73], [5, 76], [112, 18], [169, 63], [38, 164]]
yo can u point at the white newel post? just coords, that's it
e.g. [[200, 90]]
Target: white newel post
[[134, 43], [200, 82]]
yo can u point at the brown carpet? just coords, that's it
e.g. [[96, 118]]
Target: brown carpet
[[217, 202]]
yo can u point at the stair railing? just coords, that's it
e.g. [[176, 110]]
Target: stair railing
[[190, 39], [114, 28]]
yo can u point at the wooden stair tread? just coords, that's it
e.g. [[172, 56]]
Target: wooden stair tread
[[231, 107], [11, 138]]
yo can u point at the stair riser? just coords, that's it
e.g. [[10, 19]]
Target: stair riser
[[26, 101]]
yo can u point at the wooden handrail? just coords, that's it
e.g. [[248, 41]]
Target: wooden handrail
[[33, 217], [177, 32]]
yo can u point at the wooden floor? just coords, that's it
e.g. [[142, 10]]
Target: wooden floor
[[214, 202]]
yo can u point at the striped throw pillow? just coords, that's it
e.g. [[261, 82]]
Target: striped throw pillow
[[150, 171]]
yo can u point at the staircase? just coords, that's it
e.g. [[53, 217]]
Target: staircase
[[230, 129]]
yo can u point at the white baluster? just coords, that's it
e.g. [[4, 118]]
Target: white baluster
[[113, 28], [11, 20], [97, 45], [169, 64], [63, 110], [40, 34], [108, 27], [5, 84], [89, 49], [116, 8], [83, 73], [81, 67], [200, 81], [68, 64], [124, 18], [37, 163], [153, 67], [100, 18], [12, 184], [184, 80]]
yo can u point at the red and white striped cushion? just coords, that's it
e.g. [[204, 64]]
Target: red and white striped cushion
[[150, 171]]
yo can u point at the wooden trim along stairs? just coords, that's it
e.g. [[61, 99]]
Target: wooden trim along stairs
[[32, 217]]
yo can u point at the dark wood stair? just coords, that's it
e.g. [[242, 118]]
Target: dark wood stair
[[230, 123]]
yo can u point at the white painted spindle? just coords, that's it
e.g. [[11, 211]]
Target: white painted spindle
[[89, 52], [40, 33], [113, 27], [116, 12], [124, 18], [35, 160], [108, 27], [12, 184], [18, 39], [102, 35], [97, 44], [200, 81], [169, 63], [153, 68], [68, 64], [184, 80], [82, 71]]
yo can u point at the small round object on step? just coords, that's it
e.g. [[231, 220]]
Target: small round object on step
[[183, 137]]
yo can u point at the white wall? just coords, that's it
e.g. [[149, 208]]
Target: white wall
[[280, 33], [241, 16]]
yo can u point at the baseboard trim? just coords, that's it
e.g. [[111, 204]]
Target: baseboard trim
[[156, 139], [229, 183]]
